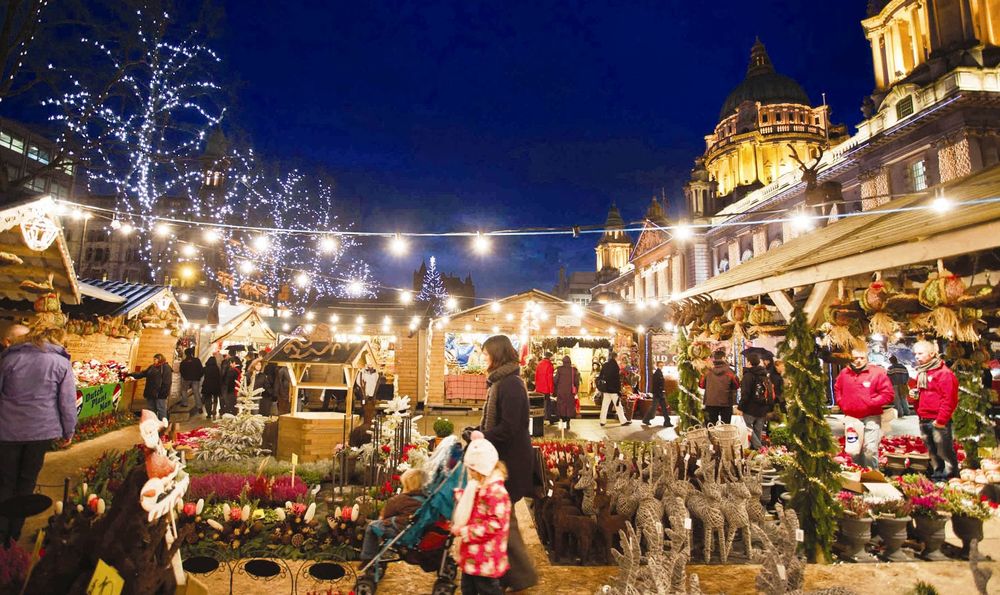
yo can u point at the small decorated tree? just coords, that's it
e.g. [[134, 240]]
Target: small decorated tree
[[972, 425], [812, 476], [689, 400], [432, 291], [239, 436]]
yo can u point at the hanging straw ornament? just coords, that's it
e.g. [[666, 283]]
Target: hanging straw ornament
[[760, 316], [873, 301], [941, 293], [842, 324], [737, 314]]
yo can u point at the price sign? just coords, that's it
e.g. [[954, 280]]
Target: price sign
[[800, 535], [105, 581]]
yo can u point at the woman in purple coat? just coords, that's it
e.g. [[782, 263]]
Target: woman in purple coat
[[567, 384], [37, 405]]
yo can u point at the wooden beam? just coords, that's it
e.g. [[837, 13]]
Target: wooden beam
[[817, 298], [953, 243], [783, 303]]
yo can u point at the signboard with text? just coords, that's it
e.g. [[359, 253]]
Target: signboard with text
[[92, 401]]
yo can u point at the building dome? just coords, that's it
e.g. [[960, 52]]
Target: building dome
[[763, 84]]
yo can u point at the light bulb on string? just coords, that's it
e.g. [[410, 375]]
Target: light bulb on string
[[302, 280], [310, 316], [327, 244], [162, 230], [77, 214], [451, 304], [398, 245], [203, 301], [683, 231], [802, 221], [189, 251], [261, 243], [334, 318], [116, 224], [405, 297], [495, 307], [355, 288], [187, 272], [481, 243], [246, 267], [941, 204], [126, 229], [211, 236]]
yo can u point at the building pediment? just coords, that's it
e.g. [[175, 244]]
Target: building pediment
[[649, 240]]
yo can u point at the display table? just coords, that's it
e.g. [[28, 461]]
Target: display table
[[466, 387], [312, 435], [101, 399]]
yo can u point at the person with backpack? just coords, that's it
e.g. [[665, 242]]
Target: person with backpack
[[862, 391], [757, 398], [720, 385], [900, 378]]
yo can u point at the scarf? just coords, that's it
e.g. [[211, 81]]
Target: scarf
[[922, 371], [489, 418], [857, 370]]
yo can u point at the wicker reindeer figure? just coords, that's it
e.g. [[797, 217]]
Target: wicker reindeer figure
[[648, 514], [736, 510], [705, 505], [587, 484], [756, 510]]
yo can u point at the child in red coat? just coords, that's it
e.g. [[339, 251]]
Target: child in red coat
[[481, 521]]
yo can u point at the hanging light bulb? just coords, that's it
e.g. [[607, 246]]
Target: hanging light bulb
[[495, 307], [302, 280], [554, 332], [683, 231], [509, 317], [496, 330], [802, 221], [576, 309], [481, 243], [211, 235], [310, 315], [188, 250], [355, 288], [261, 243], [334, 318], [203, 301], [941, 204], [359, 320], [126, 229], [451, 303], [405, 297], [162, 230], [187, 272], [640, 329], [398, 245], [327, 244], [246, 267]]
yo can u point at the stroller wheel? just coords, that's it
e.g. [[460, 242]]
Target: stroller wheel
[[365, 586], [443, 587]]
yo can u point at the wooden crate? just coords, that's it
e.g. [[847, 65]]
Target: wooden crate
[[311, 435]]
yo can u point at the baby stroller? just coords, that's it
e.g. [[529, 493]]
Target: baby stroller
[[426, 540]]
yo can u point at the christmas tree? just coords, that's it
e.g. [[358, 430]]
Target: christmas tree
[[812, 476], [689, 401], [237, 437], [432, 291], [972, 425]]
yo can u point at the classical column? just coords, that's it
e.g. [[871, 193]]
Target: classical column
[[898, 64], [968, 30], [933, 37], [913, 27], [918, 28]]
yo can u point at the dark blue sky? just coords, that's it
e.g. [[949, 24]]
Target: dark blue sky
[[439, 116]]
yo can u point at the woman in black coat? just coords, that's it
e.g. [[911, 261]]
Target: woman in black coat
[[211, 387], [505, 425], [567, 384]]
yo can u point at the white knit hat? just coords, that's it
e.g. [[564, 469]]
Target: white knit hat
[[481, 456]]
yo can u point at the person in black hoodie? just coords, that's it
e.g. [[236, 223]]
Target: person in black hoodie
[[610, 384], [777, 381], [230, 373], [756, 398], [211, 387], [656, 387], [192, 371]]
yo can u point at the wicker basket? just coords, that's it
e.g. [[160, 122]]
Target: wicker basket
[[724, 434]]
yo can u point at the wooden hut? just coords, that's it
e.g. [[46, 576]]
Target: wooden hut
[[536, 322], [314, 367]]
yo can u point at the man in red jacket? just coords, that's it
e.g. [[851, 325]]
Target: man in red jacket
[[862, 391], [938, 399], [544, 374]]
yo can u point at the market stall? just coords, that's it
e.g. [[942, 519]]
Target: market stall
[[238, 325], [313, 368], [536, 322]]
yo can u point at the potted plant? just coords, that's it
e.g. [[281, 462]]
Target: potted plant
[[442, 429], [854, 526], [892, 518], [927, 504], [968, 512]]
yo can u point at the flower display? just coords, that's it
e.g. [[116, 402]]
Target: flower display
[[94, 372], [97, 426], [233, 486], [900, 445], [854, 504], [961, 503], [925, 498]]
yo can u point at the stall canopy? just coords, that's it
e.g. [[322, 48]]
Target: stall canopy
[[32, 247], [246, 327], [900, 233], [119, 298]]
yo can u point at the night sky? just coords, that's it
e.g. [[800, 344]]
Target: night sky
[[439, 116]]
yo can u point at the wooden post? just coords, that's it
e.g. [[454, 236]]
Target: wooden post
[[783, 303], [817, 298]]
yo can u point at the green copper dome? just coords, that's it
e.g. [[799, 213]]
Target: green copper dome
[[763, 84]]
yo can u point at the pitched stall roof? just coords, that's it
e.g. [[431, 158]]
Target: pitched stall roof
[[294, 350], [132, 298], [901, 233], [541, 296], [36, 266]]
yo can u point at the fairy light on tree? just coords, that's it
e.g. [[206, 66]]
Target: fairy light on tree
[[148, 120], [432, 290]]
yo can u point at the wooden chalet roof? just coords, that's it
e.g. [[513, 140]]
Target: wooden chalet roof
[[133, 299], [36, 266], [542, 297], [900, 233], [295, 350]]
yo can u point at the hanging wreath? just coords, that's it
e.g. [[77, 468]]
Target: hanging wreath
[[874, 301]]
